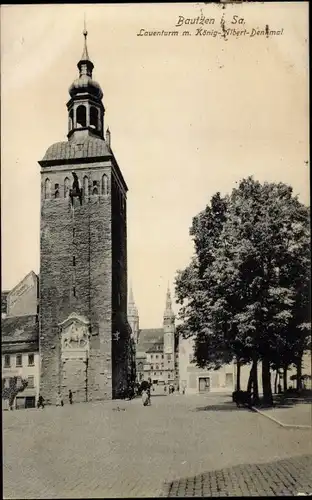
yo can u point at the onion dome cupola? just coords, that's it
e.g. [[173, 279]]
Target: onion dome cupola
[[85, 107]]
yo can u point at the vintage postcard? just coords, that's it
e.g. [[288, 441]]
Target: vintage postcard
[[155, 297]]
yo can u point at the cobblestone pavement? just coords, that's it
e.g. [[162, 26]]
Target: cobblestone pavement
[[122, 449], [283, 477]]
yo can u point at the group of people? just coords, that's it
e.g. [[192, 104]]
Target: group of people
[[171, 389], [59, 400]]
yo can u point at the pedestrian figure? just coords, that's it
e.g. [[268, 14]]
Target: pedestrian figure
[[145, 397], [165, 388], [40, 403], [59, 400], [183, 390], [70, 397], [279, 389]]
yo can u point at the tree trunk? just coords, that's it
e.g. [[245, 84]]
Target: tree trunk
[[266, 383], [299, 373], [255, 388], [285, 377], [250, 381], [275, 382], [238, 375]]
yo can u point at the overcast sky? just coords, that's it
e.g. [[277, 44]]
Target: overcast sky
[[189, 116]]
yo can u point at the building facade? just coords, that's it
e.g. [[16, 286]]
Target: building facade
[[20, 342], [194, 380], [156, 348], [84, 334]]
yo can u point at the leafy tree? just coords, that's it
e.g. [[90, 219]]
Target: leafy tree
[[245, 293], [17, 385]]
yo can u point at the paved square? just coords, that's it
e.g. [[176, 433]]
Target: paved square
[[181, 445]]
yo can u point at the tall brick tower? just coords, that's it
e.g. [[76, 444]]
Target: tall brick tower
[[84, 334]]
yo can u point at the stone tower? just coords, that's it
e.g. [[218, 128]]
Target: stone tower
[[169, 338], [84, 335], [133, 316]]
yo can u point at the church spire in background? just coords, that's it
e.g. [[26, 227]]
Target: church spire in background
[[168, 314]]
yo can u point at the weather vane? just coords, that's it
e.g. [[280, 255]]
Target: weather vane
[[85, 33]]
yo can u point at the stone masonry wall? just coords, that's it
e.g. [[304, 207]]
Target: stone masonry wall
[[120, 350], [76, 276]]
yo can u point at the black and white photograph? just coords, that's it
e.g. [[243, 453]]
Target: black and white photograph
[[156, 250]]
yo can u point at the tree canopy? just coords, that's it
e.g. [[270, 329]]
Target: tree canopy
[[245, 292]]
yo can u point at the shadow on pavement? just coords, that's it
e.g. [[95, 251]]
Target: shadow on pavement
[[282, 477], [226, 406]]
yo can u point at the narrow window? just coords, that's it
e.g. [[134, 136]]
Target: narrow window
[[74, 261], [47, 188], [56, 191], [7, 361], [105, 184], [31, 382], [71, 120], [31, 359], [81, 116], [86, 185], [74, 233], [93, 118], [19, 360], [66, 187], [74, 291]]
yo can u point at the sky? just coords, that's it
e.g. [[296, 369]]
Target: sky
[[189, 116]]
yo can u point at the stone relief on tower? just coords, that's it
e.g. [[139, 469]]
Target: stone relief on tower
[[75, 337]]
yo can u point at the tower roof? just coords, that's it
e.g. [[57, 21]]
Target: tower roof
[[168, 311], [132, 308], [85, 83], [88, 147]]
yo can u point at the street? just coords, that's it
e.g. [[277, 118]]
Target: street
[[179, 446]]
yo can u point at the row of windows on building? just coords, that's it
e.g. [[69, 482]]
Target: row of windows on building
[[58, 191], [10, 382], [18, 360], [162, 356]]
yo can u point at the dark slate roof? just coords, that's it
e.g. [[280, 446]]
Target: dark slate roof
[[4, 296], [149, 337], [158, 346], [86, 147], [19, 329]]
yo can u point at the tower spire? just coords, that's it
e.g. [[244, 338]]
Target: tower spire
[[85, 55], [168, 314]]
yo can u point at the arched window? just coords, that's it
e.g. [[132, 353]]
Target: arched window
[[86, 185], [47, 188], [71, 120], [104, 184], [94, 114], [56, 191], [157, 367], [95, 188], [66, 187], [81, 116]]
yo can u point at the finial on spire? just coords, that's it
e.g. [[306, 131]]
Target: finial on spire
[[131, 298], [85, 55]]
